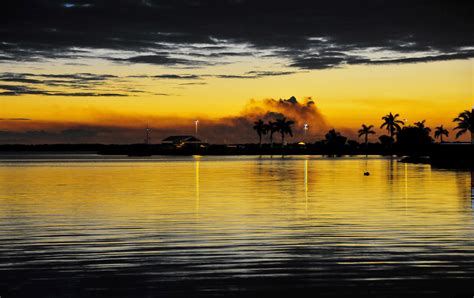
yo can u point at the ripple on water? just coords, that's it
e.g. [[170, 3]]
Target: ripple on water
[[88, 226]]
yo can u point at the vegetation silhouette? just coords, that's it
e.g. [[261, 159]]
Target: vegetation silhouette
[[284, 127], [404, 140], [271, 128], [335, 142], [261, 129], [421, 125], [439, 132], [414, 140], [385, 142], [392, 124], [465, 123], [366, 131]]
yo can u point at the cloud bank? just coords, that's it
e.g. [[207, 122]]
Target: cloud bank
[[197, 33]]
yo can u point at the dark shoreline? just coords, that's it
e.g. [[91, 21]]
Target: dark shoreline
[[448, 155]]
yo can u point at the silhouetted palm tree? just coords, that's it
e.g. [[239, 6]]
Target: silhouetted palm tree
[[366, 131], [440, 131], [284, 127], [271, 128], [421, 125], [392, 125], [465, 123], [261, 129]]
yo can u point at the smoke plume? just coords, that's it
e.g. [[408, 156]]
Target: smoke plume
[[240, 128]]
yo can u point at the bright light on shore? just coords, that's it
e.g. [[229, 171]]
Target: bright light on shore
[[196, 122]]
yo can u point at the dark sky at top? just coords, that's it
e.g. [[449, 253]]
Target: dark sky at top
[[310, 34]]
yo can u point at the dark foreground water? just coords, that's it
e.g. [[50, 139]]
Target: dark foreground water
[[233, 226]]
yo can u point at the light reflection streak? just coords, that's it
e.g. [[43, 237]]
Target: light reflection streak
[[119, 216], [406, 187], [306, 182], [196, 174], [472, 190]]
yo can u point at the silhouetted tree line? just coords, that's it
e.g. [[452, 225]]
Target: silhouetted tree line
[[400, 139], [281, 126]]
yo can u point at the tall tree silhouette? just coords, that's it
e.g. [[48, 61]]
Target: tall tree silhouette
[[271, 128], [335, 142], [392, 124], [261, 129], [421, 125], [439, 132], [366, 131], [465, 123], [284, 127]]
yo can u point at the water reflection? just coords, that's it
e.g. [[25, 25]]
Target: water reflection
[[306, 183], [406, 187], [130, 227], [472, 189], [196, 165]]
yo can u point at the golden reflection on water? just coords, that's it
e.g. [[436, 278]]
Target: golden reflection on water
[[306, 183], [406, 186], [196, 162], [230, 189], [233, 213], [472, 189]]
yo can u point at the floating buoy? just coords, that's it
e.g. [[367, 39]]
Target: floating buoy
[[366, 174]]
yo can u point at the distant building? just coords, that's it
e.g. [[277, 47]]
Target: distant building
[[181, 141]]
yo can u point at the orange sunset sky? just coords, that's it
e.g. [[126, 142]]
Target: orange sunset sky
[[58, 83]]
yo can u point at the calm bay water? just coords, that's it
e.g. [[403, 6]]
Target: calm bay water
[[198, 226]]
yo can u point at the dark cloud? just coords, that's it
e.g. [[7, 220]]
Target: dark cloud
[[177, 77], [218, 54], [269, 73], [90, 85], [338, 59], [255, 75], [193, 83], [231, 77], [247, 75], [85, 94], [78, 133], [262, 74], [320, 62], [15, 90], [442, 57], [35, 136], [19, 79], [160, 60], [79, 76], [28, 137], [165, 94], [201, 32], [77, 80]]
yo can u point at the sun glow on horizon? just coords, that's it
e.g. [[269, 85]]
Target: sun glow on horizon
[[346, 97]]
